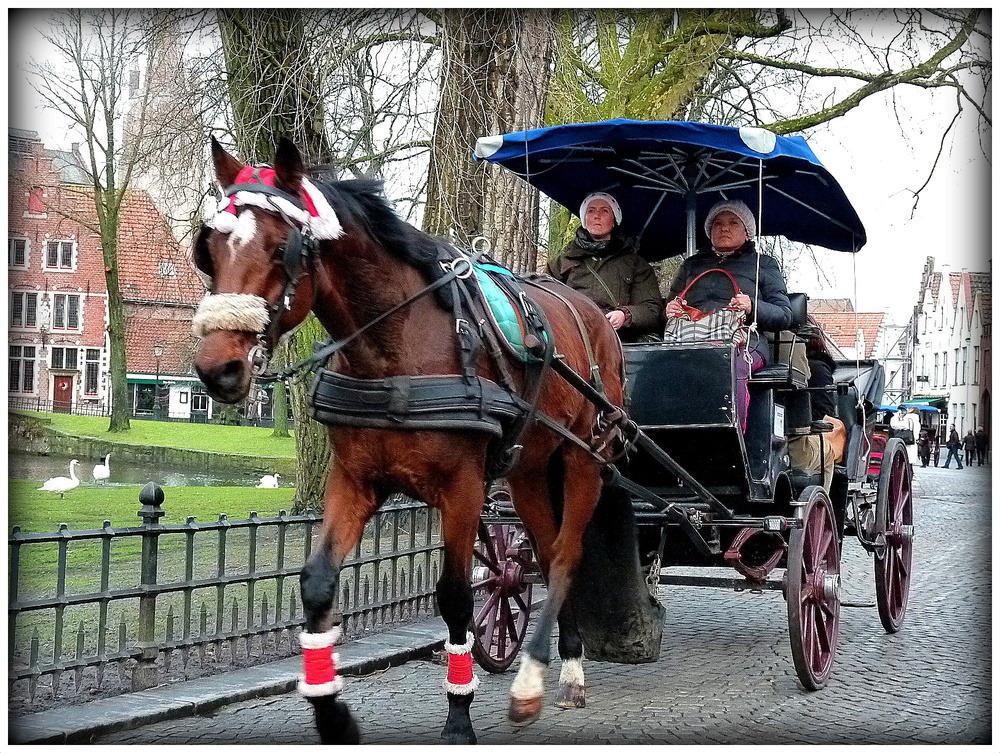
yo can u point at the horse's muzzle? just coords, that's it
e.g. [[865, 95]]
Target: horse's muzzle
[[221, 364]]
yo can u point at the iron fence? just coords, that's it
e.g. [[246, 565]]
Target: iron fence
[[113, 609]]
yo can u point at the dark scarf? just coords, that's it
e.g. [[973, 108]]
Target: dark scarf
[[617, 243], [746, 248]]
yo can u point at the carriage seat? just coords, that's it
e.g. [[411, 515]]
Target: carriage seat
[[789, 367]]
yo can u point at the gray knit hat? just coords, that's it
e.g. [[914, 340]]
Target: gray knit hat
[[741, 210], [616, 210]]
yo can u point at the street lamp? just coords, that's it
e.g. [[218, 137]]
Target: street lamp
[[157, 355]]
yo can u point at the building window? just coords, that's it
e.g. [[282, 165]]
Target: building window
[[22, 368], [935, 369], [64, 358], [24, 310], [17, 252], [965, 365], [92, 371], [59, 255], [167, 269], [36, 201], [199, 402], [133, 83], [944, 369], [975, 364], [65, 311], [956, 368]]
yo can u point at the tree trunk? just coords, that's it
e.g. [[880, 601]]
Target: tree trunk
[[121, 407], [494, 76], [280, 411], [312, 446], [274, 87]]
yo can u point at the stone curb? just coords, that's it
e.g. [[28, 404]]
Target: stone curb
[[81, 723]]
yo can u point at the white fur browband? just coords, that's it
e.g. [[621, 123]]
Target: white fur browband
[[318, 217], [230, 311]]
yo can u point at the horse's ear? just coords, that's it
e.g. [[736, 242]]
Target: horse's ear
[[288, 166], [227, 167]]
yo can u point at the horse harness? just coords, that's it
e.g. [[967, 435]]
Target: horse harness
[[468, 401], [465, 401]]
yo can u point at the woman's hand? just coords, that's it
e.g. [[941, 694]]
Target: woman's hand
[[616, 317], [674, 308], [741, 301]]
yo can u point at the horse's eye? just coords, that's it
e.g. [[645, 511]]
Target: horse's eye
[[200, 253]]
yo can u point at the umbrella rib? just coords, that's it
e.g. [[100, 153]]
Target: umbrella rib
[[813, 209]]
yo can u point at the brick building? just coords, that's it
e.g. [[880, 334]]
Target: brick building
[[58, 345]]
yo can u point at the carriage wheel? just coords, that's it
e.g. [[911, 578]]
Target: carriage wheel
[[894, 526], [812, 588], [503, 600]]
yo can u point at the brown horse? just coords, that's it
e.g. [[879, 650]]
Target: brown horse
[[364, 263]]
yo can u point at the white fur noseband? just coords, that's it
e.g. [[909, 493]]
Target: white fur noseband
[[231, 311]]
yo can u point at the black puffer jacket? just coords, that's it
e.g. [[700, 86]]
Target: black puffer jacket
[[771, 309]]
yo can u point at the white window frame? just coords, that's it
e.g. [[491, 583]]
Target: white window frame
[[23, 294], [79, 312], [92, 358], [20, 359], [59, 255], [63, 350], [10, 253]]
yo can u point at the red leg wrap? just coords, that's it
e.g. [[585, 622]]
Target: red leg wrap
[[318, 667], [460, 669]]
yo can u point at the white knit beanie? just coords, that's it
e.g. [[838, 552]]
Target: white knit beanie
[[612, 202], [738, 208]]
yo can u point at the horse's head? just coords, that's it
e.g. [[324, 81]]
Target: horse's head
[[258, 250]]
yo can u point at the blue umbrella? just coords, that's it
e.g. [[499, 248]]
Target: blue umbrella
[[667, 174]]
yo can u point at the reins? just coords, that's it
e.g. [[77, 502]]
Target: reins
[[325, 349]]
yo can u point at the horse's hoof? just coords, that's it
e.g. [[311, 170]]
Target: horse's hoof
[[524, 711], [467, 737], [571, 696]]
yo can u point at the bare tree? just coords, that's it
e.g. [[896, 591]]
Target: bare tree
[[494, 78], [89, 84]]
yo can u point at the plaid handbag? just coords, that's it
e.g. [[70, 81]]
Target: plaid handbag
[[725, 325]]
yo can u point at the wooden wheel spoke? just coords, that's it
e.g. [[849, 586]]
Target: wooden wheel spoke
[[489, 607]]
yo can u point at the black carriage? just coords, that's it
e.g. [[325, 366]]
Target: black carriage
[[704, 493]]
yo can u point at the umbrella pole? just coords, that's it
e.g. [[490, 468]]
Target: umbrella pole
[[690, 208]]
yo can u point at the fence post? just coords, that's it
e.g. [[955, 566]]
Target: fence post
[[144, 674]]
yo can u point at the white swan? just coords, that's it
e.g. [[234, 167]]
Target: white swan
[[269, 481], [103, 471], [62, 484]]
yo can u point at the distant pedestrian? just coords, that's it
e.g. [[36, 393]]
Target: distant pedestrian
[[982, 444], [969, 445], [954, 446], [924, 447]]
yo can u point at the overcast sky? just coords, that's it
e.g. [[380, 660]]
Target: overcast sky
[[877, 161]]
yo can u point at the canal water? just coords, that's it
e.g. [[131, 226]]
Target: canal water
[[41, 467]]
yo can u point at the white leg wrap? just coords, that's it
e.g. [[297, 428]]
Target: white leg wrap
[[464, 648], [530, 680], [327, 688], [320, 640], [571, 672]]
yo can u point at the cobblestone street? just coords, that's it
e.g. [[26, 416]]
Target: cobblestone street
[[725, 672]]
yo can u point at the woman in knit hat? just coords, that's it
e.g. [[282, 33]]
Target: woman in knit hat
[[601, 262], [730, 227]]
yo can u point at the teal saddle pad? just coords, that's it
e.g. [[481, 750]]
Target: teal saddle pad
[[502, 307]]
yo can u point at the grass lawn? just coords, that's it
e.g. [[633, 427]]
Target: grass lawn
[[242, 440], [86, 508]]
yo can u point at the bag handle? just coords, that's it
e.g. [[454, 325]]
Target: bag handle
[[736, 287]]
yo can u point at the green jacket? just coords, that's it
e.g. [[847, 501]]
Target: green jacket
[[620, 280]]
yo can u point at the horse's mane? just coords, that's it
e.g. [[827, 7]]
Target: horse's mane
[[363, 200]]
